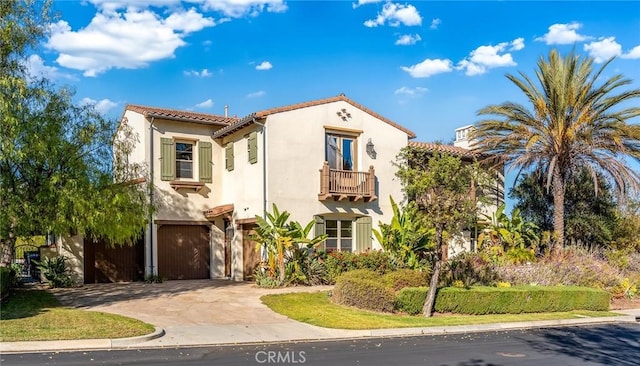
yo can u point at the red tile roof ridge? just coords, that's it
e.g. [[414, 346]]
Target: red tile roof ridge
[[176, 113]]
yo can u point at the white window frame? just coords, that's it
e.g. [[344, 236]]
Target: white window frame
[[339, 239], [194, 162]]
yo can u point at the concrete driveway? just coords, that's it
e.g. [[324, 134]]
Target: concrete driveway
[[197, 312]]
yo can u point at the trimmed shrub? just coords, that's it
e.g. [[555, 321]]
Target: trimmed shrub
[[363, 289], [399, 279], [337, 263], [506, 300], [410, 300]]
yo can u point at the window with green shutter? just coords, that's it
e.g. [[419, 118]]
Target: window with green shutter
[[167, 159], [204, 162], [252, 147], [228, 156]]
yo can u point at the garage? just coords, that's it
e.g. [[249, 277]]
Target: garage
[[104, 263], [183, 252]]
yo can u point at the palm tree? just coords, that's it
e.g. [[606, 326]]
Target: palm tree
[[577, 119]]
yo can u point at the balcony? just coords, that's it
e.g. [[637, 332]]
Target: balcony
[[343, 185]]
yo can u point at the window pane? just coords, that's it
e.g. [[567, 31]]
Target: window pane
[[182, 146], [346, 229], [331, 244], [347, 154], [332, 151], [184, 169], [345, 245]]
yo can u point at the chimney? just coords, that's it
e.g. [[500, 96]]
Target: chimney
[[226, 110]]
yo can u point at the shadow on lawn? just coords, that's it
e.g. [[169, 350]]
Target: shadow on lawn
[[27, 302], [617, 345]]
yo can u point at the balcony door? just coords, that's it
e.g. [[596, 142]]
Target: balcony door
[[340, 152]]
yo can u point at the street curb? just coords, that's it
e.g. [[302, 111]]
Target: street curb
[[80, 344], [122, 342]]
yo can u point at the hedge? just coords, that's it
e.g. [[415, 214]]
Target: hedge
[[363, 289], [7, 280], [508, 300], [399, 279]]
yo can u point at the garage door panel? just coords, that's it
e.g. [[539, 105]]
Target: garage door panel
[[183, 252], [118, 263]]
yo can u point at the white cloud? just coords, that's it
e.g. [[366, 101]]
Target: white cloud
[[241, 8], [205, 73], [36, 68], [435, 23], [563, 34], [633, 54], [206, 104], [126, 40], [102, 106], [258, 94], [408, 39], [265, 65], [429, 67], [364, 2], [412, 92], [484, 58], [603, 49], [396, 14], [517, 44]]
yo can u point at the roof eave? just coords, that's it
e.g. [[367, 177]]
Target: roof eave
[[229, 129]]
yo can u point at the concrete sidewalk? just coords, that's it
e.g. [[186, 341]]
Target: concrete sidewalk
[[199, 313]]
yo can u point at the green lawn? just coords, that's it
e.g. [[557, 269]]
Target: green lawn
[[315, 308], [35, 315]]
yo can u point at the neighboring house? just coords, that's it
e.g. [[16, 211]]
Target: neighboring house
[[328, 160]]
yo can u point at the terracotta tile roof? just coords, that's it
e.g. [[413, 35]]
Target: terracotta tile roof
[[264, 113], [442, 148], [218, 210], [178, 115]]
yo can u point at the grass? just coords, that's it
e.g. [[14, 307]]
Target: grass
[[35, 315], [316, 309]]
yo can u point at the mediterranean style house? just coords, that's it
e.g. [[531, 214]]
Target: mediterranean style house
[[328, 160]]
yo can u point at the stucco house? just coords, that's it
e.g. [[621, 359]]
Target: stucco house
[[327, 160]]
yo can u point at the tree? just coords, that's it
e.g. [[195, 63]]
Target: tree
[[58, 174], [577, 118], [590, 218], [440, 185], [406, 238]]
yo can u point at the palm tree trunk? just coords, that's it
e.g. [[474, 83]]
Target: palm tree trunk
[[558, 211]]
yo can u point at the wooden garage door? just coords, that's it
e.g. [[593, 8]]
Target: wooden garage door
[[118, 263], [183, 252], [250, 257]]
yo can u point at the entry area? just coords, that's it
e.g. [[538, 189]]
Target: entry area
[[184, 252]]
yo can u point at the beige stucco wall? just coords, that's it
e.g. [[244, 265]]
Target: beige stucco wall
[[296, 142]]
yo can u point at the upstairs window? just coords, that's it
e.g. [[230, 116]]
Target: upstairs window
[[340, 151], [184, 160]]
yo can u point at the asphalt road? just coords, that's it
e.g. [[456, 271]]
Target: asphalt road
[[613, 344]]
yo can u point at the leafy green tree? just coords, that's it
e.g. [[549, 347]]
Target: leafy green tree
[[578, 118], [58, 174], [407, 238], [590, 212], [627, 231], [440, 185]]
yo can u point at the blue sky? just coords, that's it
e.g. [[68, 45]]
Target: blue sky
[[429, 66]]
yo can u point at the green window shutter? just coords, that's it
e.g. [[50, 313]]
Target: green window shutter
[[252, 147], [363, 233], [167, 159], [319, 229], [204, 162], [228, 156]]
